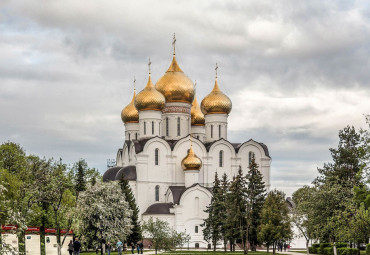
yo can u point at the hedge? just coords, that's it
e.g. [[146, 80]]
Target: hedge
[[320, 250], [328, 251], [313, 248], [341, 245], [348, 251], [368, 249]]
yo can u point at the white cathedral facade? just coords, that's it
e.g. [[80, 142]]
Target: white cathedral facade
[[173, 147]]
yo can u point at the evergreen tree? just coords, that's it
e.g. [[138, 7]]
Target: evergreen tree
[[236, 202], [80, 168], [212, 225], [224, 209], [135, 235], [256, 193]]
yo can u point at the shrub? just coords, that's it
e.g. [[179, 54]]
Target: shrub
[[368, 249], [313, 248], [320, 250], [348, 251], [341, 245], [328, 251]]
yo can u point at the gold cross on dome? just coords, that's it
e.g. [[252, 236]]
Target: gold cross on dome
[[216, 70], [149, 65], [174, 43]]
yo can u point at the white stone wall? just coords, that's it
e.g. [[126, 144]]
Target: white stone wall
[[199, 132], [150, 123], [132, 131], [216, 122]]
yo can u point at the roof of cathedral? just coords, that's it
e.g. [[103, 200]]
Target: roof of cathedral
[[139, 144], [159, 208], [176, 193], [115, 173], [129, 172], [110, 174]]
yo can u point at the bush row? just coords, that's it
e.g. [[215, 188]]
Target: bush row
[[327, 249]]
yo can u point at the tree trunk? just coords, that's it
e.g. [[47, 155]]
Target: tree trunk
[[273, 248], [307, 250], [155, 251], [225, 244], [268, 248], [214, 245]]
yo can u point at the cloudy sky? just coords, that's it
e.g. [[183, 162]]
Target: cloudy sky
[[296, 71]]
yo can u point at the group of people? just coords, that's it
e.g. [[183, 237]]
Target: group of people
[[123, 247], [282, 246], [74, 247]]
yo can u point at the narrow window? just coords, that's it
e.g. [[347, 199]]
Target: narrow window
[[144, 128], [178, 126], [136, 136], [129, 136], [156, 157], [196, 207], [211, 131], [196, 245], [166, 126], [251, 154], [197, 136], [196, 229], [221, 159], [157, 193], [152, 127], [159, 129], [219, 131]]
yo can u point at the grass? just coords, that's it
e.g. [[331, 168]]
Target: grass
[[186, 252]]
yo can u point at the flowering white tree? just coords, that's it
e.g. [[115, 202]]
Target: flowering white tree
[[102, 210]]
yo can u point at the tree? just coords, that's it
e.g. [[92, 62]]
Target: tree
[[301, 212], [80, 167], [224, 185], [212, 225], [103, 210], [135, 235], [256, 194], [159, 233], [237, 201], [275, 222]]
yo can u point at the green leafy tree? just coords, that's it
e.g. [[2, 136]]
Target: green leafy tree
[[256, 194], [159, 234], [103, 211], [135, 235], [275, 222]]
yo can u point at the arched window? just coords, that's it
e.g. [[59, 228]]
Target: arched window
[[178, 126], [129, 136], [157, 193], [196, 229], [144, 128], [156, 157], [135, 136], [196, 245], [152, 127], [219, 131], [251, 155], [211, 131], [221, 159], [166, 126]]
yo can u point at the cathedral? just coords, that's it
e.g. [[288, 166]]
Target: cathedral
[[173, 147]]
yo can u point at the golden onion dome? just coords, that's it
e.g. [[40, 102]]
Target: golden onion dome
[[191, 161], [130, 114], [175, 85], [216, 102], [197, 117], [149, 98]]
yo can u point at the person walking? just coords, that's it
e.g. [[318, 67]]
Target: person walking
[[76, 247], [132, 248], [138, 247], [108, 248], [141, 247], [119, 246], [70, 247]]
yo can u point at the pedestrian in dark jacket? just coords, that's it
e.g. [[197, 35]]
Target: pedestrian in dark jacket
[[76, 247]]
